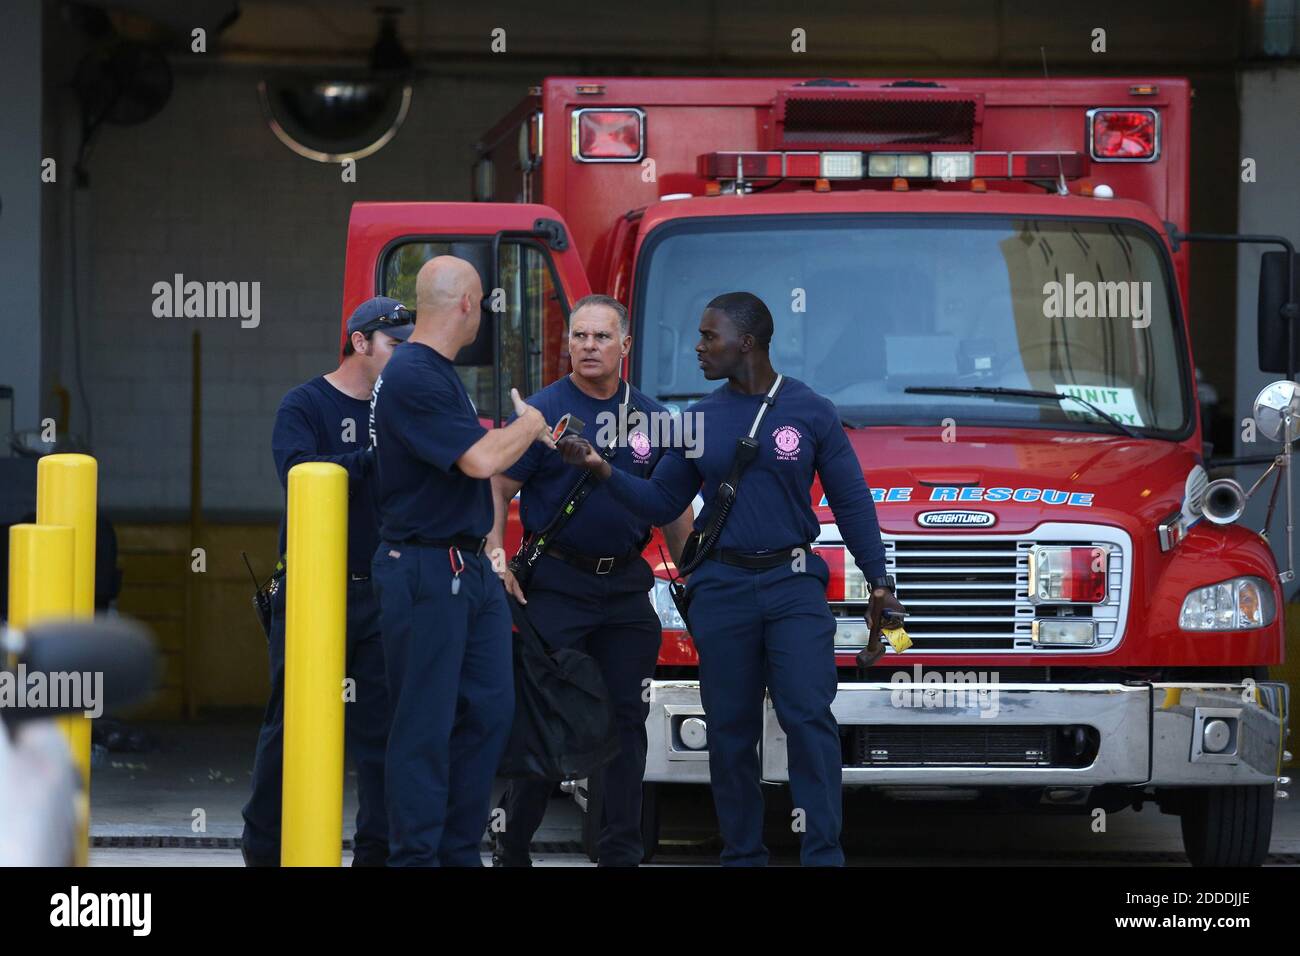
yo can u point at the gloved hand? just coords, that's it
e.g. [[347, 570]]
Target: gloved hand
[[882, 600]]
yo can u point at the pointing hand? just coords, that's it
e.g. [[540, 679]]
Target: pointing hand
[[526, 412]]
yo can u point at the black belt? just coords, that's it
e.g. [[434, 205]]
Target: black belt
[[594, 565], [462, 542], [758, 560]]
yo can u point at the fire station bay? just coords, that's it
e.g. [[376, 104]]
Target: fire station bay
[[759, 444]]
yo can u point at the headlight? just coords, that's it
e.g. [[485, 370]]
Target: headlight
[[1234, 605], [662, 599]]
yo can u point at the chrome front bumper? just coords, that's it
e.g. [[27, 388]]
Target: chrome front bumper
[[1150, 734]]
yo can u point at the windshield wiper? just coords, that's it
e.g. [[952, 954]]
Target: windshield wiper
[[996, 392]]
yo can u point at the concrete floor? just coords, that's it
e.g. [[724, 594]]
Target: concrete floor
[[208, 766]]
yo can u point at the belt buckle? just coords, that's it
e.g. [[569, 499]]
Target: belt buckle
[[602, 567]]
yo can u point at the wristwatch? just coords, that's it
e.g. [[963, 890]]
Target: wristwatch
[[886, 582]]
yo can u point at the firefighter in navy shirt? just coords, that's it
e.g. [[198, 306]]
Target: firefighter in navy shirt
[[590, 588], [758, 611], [325, 420], [446, 627]]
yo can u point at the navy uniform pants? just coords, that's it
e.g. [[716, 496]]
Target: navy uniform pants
[[757, 630], [365, 730], [608, 616], [451, 683]]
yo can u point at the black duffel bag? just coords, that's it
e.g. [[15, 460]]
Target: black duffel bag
[[564, 721]]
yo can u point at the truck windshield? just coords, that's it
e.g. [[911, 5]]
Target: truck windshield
[[867, 307]]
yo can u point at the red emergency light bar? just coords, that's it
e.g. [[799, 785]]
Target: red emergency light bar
[[944, 166]]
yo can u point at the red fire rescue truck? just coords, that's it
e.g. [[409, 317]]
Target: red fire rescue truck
[[945, 260]]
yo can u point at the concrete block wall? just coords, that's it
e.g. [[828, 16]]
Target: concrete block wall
[[205, 190]]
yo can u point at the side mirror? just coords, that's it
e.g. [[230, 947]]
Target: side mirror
[[1277, 417], [1272, 324], [1277, 411]]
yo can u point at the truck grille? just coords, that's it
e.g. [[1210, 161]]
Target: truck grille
[[971, 593], [992, 746]]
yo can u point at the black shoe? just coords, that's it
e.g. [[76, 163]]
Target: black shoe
[[502, 858]]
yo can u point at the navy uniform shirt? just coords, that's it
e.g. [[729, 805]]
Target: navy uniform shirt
[[800, 434], [601, 526], [421, 421], [317, 422]]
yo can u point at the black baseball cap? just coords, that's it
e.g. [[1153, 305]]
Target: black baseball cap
[[382, 314]]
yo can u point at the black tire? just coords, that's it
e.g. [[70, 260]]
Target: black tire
[[649, 821], [591, 819], [1227, 826]]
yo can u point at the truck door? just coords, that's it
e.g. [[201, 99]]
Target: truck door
[[530, 271]]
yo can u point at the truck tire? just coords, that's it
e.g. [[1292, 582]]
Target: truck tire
[[1227, 826], [591, 820]]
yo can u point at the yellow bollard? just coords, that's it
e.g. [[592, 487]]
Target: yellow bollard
[[315, 657], [40, 588], [66, 492], [40, 574]]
